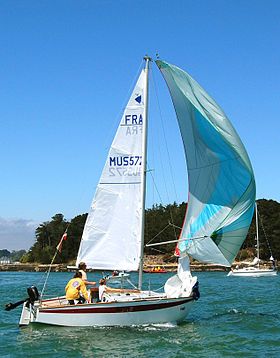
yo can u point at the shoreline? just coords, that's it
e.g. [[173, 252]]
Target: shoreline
[[195, 267], [150, 261], [63, 268]]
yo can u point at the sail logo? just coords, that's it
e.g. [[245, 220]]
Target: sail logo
[[138, 99], [133, 119], [128, 160]]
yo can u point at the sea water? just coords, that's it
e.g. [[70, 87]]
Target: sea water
[[235, 317]]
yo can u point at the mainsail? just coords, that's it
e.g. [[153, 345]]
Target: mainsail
[[112, 234], [221, 180]]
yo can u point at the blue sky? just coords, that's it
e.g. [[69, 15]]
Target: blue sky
[[66, 70]]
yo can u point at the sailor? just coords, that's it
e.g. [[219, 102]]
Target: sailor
[[82, 270], [103, 288], [74, 288]]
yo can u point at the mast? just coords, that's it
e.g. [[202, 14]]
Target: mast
[[257, 231], [145, 126]]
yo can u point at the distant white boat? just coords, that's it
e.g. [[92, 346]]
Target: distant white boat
[[252, 271], [253, 268]]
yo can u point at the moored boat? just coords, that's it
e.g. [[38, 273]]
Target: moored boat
[[254, 269]]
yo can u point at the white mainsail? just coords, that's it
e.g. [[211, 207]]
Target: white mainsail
[[112, 234]]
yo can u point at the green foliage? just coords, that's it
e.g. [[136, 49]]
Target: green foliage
[[162, 224], [269, 230], [17, 255], [28, 257], [49, 234], [71, 245], [14, 255], [5, 253]]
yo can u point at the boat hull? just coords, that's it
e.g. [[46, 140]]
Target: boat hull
[[113, 313], [252, 272]]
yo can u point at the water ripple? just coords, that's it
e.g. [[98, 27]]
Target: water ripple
[[233, 318]]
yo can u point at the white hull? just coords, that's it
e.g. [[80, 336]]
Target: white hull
[[253, 272], [149, 311]]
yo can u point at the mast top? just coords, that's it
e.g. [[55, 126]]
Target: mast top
[[147, 58]]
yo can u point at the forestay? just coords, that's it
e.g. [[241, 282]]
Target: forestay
[[221, 180], [112, 235]]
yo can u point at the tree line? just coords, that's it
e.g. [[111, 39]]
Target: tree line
[[14, 255], [163, 223]]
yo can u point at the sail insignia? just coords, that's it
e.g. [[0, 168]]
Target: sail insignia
[[138, 99]]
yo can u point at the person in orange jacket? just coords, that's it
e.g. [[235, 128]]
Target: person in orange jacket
[[73, 289]]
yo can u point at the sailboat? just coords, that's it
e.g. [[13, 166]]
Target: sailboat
[[253, 269], [220, 207]]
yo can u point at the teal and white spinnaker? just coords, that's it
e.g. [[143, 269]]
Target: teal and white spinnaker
[[221, 179]]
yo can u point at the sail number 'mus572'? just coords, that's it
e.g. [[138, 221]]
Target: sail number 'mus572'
[[125, 166]]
